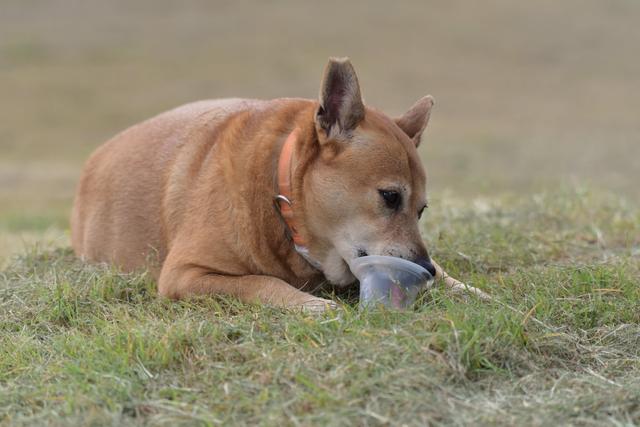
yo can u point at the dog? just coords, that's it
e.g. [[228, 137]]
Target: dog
[[258, 199]]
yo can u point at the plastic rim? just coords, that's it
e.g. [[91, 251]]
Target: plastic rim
[[389, 261]]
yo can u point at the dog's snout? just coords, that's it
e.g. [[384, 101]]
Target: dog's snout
[[427, 265]]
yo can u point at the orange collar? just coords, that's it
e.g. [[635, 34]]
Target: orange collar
[[284, 199]]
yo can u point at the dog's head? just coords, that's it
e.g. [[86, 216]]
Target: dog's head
[[365, 191]]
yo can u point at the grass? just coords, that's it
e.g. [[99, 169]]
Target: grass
[[87, 345]]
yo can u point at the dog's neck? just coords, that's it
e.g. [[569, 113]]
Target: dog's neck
[[284, 199]]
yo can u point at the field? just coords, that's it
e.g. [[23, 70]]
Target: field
[[533, 156], [86, 345]]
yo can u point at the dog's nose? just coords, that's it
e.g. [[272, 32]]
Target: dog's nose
[[426, 264], [362, 252]]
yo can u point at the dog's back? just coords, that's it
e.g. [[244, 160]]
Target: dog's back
[[118, 211]]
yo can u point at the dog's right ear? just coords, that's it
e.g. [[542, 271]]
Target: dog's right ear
[[341, 108]]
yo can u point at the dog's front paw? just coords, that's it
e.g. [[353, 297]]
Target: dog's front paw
[[318, 306]]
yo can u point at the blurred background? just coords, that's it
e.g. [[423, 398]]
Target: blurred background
[[529, 95]]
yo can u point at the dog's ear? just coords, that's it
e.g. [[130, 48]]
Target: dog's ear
[[414, 121], [341, 107]]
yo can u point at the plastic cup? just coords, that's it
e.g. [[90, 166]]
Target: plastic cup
[[389, 281]]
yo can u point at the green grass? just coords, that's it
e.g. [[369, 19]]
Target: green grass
[[88, 345]]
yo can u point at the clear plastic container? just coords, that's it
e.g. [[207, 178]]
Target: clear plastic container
[[389, 281]]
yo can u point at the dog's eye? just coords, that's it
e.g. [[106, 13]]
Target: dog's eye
[[421, 211], [392, 198]]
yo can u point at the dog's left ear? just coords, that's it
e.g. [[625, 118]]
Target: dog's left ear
[[341, 108], [414, 121]]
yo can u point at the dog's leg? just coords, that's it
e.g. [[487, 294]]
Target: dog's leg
[[184, 281], [457, 285]]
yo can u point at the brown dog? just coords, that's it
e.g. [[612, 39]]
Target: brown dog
[[190, 194]]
